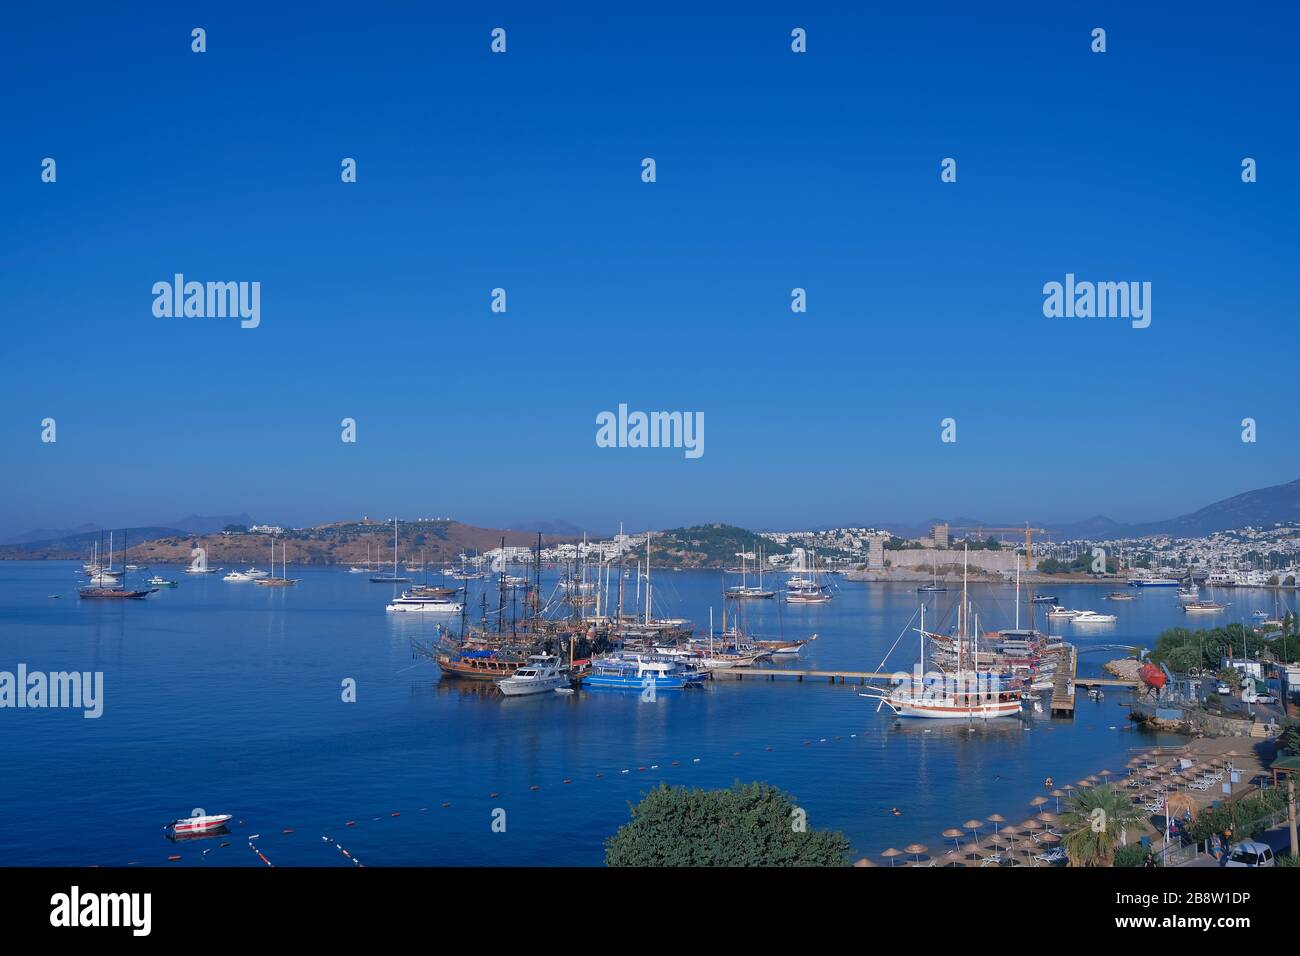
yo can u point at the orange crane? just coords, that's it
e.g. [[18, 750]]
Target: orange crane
[[1029, 533]]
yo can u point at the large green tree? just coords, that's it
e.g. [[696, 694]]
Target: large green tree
[[1097, 821], [751, 824]]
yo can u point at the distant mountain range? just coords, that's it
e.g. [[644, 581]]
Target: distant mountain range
[[83, 535], [563, 529], [1262, 508]]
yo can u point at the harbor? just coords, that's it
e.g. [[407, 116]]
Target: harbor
[[562, 765]]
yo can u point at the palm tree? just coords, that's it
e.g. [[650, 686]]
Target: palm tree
[[1098, 819]]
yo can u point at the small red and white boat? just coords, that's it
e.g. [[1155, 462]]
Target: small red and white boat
[[195, 825]]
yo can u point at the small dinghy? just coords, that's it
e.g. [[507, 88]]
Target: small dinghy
[[193, 826]]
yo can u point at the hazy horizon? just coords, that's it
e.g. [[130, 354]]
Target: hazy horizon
[[776, 171]]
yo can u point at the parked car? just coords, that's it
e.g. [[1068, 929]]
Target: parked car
[[1249, 854], [1265, 699], [1223, 689]]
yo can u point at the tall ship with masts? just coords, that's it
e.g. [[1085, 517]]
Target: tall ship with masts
[[807, 587], [111, 588], [962, 691]]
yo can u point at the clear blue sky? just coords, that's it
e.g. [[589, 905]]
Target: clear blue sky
[[775, 170]]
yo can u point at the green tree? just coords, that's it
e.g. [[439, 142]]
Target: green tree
[[1097, 821], [1231, 676], [751, 824]]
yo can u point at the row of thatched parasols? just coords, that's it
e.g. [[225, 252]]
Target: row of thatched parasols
[[1036, 833], [1151, 780], [1020, 844]]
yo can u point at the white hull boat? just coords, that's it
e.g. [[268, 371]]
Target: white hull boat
[[543, 673], [425, 605]]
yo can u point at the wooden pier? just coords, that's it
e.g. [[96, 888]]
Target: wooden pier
[[772, 673], [861, 677]]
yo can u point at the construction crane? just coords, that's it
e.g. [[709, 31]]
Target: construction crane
[[1028, 532]]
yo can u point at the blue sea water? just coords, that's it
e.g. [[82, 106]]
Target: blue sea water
[[228, 697]]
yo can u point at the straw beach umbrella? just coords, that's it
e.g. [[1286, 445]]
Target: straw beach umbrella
[[973, 826], [1058, 794], [890, 854], [1106, 774], [955, 835], [916, 849], [995, 819], [1030, 828]]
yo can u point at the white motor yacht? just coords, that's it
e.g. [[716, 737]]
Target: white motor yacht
[[542, 673]]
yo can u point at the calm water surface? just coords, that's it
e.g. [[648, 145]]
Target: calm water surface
[[228, 697]]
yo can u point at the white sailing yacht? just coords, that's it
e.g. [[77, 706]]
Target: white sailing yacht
[[393, 578], [807, 588]]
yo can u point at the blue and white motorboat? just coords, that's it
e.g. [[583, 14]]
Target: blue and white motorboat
[[635, 672]]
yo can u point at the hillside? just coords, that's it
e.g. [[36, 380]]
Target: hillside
[[710, 545], [338, 543], [1262, 508]]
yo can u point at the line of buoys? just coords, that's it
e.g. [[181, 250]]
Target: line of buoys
[[568, 781], [333, 843], [260, 855]]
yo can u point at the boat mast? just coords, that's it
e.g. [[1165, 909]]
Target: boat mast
[[923, 641], [647, 578], [620, 574], [1017, 592], [501, 590], [965, 620]]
